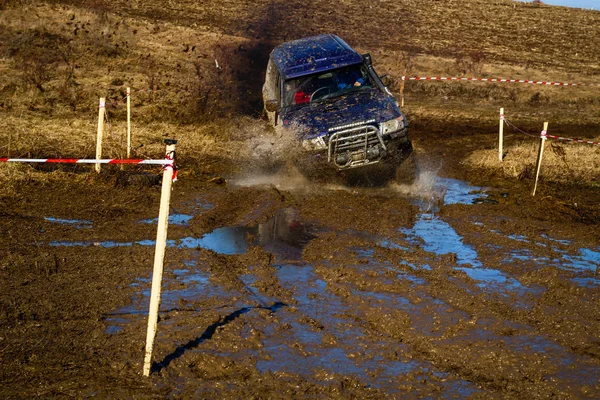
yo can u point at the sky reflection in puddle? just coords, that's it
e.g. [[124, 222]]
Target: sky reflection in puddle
[[440, 238], [316, 303], [198, 284], [76, 223], [174, 219], [285, 236], [460, 192], [229, 240], [585, 260]]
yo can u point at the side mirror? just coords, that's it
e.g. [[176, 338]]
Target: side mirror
[[386, 80], [367, 59], [272, 105]]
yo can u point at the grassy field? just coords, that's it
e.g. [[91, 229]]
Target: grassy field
[[196, 69]]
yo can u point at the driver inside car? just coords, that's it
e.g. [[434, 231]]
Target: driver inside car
[[348, 79]]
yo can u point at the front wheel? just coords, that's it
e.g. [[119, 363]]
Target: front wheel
[[407, 171]]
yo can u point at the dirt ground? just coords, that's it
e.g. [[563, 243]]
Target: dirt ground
[[276, 287], [458, 284]]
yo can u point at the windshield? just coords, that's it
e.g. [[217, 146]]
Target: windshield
[[326, 85]]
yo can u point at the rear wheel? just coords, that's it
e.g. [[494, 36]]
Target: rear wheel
[[271, 117]]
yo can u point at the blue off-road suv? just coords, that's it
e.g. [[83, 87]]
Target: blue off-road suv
[[333, 100]]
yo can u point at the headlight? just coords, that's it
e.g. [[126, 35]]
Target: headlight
[[392, 125], [314, 144]]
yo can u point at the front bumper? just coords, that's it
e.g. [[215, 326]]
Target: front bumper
[[359, 147], [356, 147]]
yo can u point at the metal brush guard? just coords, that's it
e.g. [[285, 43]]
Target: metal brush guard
[[354, 147]]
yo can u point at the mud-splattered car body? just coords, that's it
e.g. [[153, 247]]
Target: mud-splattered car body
[[335, 102]]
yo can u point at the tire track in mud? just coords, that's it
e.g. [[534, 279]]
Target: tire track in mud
[[436, 299], [479, 305], [321, 288]]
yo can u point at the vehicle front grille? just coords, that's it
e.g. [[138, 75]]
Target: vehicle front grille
[[355, 147]]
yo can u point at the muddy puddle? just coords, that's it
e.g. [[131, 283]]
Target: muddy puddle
[[336, 323], [583, 260], [341, 347], [75, 223]]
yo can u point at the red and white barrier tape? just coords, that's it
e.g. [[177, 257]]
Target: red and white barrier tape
[[167, 162], [404, 78], [532, 114], [171, 165], [499, 80], [545, 134], [572, 139], [540, 113]]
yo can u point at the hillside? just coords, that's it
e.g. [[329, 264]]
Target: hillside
[[456, 284]]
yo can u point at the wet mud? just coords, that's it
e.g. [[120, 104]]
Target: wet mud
[[272, 288]]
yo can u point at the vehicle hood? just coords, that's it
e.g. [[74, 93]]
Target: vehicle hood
[[318, 119]]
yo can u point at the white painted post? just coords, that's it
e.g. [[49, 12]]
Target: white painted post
[[159, 254], [540, 155], [501, 135], [402, 89], [128, 122], [101, 111]]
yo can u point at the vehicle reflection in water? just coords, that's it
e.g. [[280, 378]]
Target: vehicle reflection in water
[[284, 235]]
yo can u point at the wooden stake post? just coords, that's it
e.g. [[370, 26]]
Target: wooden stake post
[[161, 242], [540, 155], [101, 111], [501, 135], [402, 89], [128, 122]]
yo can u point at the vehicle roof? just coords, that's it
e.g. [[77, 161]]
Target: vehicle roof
[[313, 54]]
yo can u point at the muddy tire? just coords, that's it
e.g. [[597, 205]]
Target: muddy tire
[[315, 172], [271, 117], [406, 172]]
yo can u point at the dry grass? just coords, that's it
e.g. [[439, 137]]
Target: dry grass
[[563, 162], [34, 136], [100, 48], [503, 30]]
